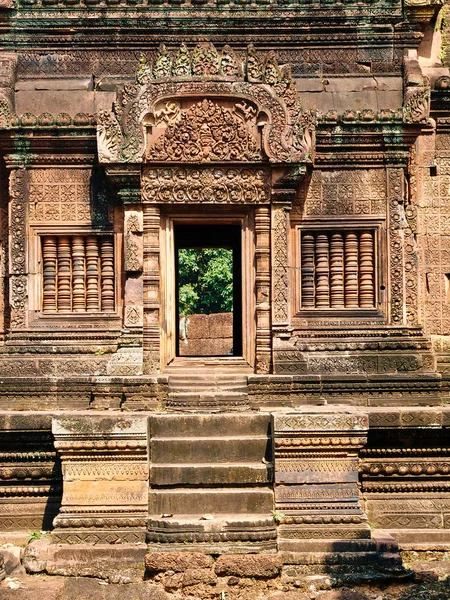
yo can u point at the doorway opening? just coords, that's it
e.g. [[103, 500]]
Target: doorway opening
[[208, 290]]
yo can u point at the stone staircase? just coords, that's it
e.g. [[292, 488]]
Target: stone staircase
[[211, 384], [210, 483]]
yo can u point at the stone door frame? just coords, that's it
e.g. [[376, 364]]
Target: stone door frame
[[243, 217]]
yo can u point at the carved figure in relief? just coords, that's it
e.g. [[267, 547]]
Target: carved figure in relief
[[169, 114], [205, 132]]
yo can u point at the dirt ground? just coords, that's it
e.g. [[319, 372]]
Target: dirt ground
[[429, 580]]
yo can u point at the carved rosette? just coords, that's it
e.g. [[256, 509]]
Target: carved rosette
[[105, 479], [316, 475]]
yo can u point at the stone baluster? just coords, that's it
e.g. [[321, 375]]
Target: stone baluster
[[49, 259], [92, 274], [107, 273], [78, 274], [64, 274], [351, 270], [366, 270], [308, 249], [322, 271], [262, 281], [337, 270]]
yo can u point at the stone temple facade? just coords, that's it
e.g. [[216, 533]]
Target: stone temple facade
[[312, 137]]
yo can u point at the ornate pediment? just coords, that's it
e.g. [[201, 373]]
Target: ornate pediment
[[206, 132], [206, 105]]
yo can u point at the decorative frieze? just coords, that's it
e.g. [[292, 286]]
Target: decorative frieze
[[105, 479], [316, 474], [206, 185]]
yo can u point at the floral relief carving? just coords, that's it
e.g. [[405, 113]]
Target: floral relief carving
[[180, 185], [60, 195], [206, 132], [17, 192]]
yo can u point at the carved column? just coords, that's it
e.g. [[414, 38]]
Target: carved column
[[18, 280], [152, 329], [262, 256], [105, 479], [316, 476]]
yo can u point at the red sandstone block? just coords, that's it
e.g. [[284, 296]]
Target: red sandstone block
[[177, 561], [250, 565]]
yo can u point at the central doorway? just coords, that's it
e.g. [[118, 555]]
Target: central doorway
[[208, 289]]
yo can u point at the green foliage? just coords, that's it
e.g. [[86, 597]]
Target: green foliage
[[37, 535], [205, 280]]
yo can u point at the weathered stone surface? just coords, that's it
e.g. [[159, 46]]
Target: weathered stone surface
[[197, 576], [177, 561], [35, 555], [250, 565], [12, 560], [117, 564]]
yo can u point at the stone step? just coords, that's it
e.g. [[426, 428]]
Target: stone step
[[210, 501], [222, 533], [214, 450], [207, 377], [208, 385], [209, 395], [209, 425], [289, 548], [213, 365], [222, 474]]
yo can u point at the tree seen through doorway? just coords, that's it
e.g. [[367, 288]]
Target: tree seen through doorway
[[205, 277]]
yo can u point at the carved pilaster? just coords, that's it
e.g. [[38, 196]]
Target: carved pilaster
[[280, 216], [396, 241], [262, 281], [316, 475], [151, 330], [134, 261], [105, 479], [18, 181]]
